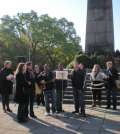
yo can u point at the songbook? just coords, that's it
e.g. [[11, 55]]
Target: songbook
[[10, 77], [61, 75]]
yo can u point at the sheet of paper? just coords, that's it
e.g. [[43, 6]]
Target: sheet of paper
[[62, 75]]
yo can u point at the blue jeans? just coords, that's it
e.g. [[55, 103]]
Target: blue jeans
[[49, 96]]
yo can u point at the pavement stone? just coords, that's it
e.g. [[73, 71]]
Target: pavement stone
[[98, 121]]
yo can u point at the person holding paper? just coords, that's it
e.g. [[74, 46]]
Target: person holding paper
[[6, 84], [60, 86], [78, 77]]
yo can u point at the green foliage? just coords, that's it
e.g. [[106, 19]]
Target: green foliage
[[50, 40], [89, 60], [84, 59]]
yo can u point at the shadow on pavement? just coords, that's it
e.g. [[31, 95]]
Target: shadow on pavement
[[73, 123]]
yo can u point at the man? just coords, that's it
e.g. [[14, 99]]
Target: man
[[30, 78], [78, 77], [60, 87], [112, 74], [49, 92], [6, 84]]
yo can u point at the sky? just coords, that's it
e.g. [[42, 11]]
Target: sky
[[72, 10]]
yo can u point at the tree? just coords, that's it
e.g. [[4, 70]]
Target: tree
[[84, 59], [50, 40]]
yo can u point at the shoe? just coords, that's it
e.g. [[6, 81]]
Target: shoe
[[93, 105], [114, 108], [27, 118], [52, 113], [82, 115], [9, 110], [33, 116], [60, 111], [74, 112], [108, 107], [22, 120], [47, 114]]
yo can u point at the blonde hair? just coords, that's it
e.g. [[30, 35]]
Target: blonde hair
[[19, 68], [96, 66], [7, 62]]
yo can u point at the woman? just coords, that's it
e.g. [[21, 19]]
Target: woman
[[21, 96], [97, 84], [6, 84], [38, 85]]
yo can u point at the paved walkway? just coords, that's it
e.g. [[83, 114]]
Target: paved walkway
[[98, 121]]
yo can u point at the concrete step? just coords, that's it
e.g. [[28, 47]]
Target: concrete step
[[87, 97], [87, 102], [68, 96]]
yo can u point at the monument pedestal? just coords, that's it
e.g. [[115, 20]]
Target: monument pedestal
[[99, 29]]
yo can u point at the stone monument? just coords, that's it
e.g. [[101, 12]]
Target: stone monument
[[99, 29]]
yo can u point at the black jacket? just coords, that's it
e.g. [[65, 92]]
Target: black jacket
[[113, 76], [30, 77], [48, 77], [6, 86], [21, 95], [38, 78], [78, 78]]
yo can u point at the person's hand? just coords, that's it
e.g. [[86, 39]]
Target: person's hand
[[43, 82], [29, 83]]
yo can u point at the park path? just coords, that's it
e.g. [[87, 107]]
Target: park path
[[98, 121]]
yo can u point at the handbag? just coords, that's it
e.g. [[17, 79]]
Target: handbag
[[38, 89]]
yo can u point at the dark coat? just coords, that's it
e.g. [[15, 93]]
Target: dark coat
[[38, 78], [48, 77], [21, 95], [78, 78], [30, 77], [6, 86], [113, 76]]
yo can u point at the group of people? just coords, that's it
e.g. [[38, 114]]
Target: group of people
[[31, 83], [99, 81], [104, 80], [41, 83]]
